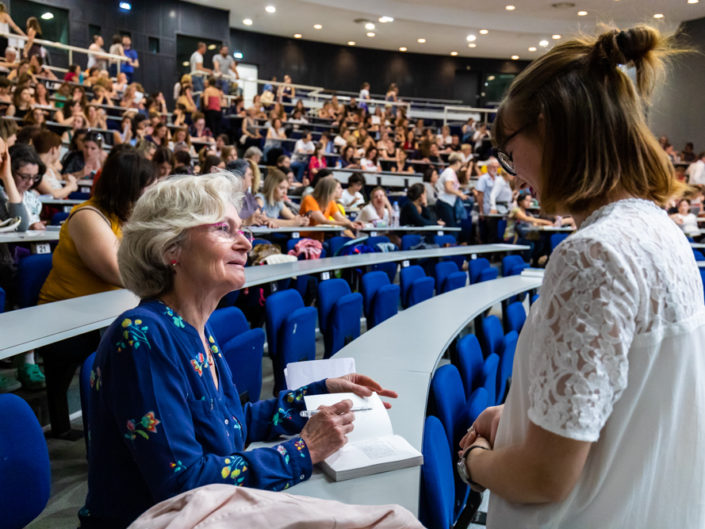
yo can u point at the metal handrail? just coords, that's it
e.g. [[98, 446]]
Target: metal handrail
[[483, 111]]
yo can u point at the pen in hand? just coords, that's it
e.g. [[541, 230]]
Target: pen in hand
[[311, 413]]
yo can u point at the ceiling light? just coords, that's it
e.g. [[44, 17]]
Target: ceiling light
[[510, 7], [47, 16], [370, 34], [297, 35], [238, 55], [658, 15], [454, 53], [211, 47], [532, 48], [385, 19], [472, 45], [125, 6], [543, 43], [247, 21], [421, 40], [693, 1], [317, 26], [490, 77], [582, 13], [471, 38], [515, 57], [556, 36], [185, 63], [351, 43], [270, 9], [403, 48], [484, 32], [369, 26]]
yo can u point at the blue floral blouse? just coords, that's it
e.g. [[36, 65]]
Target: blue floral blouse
[[157, 425]]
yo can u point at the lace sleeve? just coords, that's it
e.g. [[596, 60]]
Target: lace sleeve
[[585, 326]]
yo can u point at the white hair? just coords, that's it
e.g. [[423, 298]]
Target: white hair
[[159, 222]]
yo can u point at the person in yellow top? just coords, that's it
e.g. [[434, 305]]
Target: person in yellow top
[[320, 207], [85, 262]]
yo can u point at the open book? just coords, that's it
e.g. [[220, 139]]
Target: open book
[[372, 446]]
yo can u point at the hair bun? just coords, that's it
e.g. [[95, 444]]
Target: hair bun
[[624, 47]]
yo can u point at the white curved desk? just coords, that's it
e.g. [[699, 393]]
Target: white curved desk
[[402, 353]]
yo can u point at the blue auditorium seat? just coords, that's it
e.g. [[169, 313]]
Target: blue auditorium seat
[[512, 265], [492, 335], [415, 285], [504, 371], [476, 267], [470, 361], [84, 392], [489, 371], [514, 316], [339, 313], [448, 277], [31, 274], [437, 478], [381, 298], [409, 240], [557, 238]]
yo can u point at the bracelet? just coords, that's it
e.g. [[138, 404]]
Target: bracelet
[[466, 457]]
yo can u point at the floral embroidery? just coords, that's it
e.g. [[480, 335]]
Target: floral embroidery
[[235, 468], [281, 415], [283, 451], [199, 363], [298, 395], [178, 466], [134, 334], [300, 445], [135, 427], [214, 348], [95, 379], [177, 320]]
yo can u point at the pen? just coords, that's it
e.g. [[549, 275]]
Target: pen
[[311, 413]]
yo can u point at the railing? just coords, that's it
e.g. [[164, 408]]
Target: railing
[[463, 113]]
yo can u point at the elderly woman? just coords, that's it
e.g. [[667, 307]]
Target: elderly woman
[[165, 416], [603, 422]]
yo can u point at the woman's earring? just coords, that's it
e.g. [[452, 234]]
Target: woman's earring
[[173, 263]]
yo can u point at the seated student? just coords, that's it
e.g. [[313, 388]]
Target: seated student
[[164, 160], [27, 171], [165, 416], [250, 211], [400, 163], [182, 162], [272, 200], [370, 161], [378, 212], [519, 220], [352, 197], [316, 163], [686, 220], [295, 187], [48, 147], [415, 211], [303, 148], [88, 159], [212, 164], [430, 177], [198, 131], [320, 207]]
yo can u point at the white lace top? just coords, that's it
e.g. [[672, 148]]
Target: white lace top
[[613, 352]]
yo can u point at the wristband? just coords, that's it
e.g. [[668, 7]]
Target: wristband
[[464, 470]]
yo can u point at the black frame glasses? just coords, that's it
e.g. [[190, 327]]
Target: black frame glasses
[[503, 157]]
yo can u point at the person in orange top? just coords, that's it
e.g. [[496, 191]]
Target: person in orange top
[[85, 262], [320, 207]]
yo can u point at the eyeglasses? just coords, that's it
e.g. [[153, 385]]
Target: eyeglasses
[[503, 157], [27, 177], [225, 231]]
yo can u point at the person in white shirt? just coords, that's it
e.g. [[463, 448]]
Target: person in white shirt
[[303, 149], [696, 171], [483, 191], [448, 190], [94, 59], [501, 195], [602, 426], [197, 70], [686, 220], [352, 197], [378, 212]]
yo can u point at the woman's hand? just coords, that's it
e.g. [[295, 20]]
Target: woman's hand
[[485, 427], [360, 385], [440, 222], [71, 182], [326, 432], [301, 221], [38, 226]]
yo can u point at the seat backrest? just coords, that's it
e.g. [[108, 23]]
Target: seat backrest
[[2, 299], [243, 353], [385, 304], [557, 238], [421, 290], [375, 240], [492, 335], [445, 240], [699, 256], [277, 306], [510, 262], [504, 371], [515, 316], [31, 274], [25, 474], [501, 228], [343, 322], [59, 217], [329, 291], [477, 402], [443, 269], [371, 282], [297, 339], [489, 373], [86, 381], [488, 274], [470, 362], [447, 402], [475, 266], [409, 240], [335, 243], [228, 322], [437, 479]]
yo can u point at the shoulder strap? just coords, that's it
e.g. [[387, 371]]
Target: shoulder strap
[[93, 208]]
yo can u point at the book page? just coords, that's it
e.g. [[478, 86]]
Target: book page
[[371, 452], [368, 424], [299, 374]]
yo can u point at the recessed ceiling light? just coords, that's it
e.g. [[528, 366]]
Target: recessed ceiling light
[[515, 57], [403, 48], [532, 48], [385, 19], [658, 15], [211, 46], [510, 7], [556, 36], [421, 40], [543, 43], [471, 38], [490, 77], [484, 32], [454, 53], [185, 63], [351, 43], [369, 26], [270, 9], [693, 1], [297, 35], [370, 33], [247, 21], [317, 26], [472, 45], [47, 16], [582, 13]]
